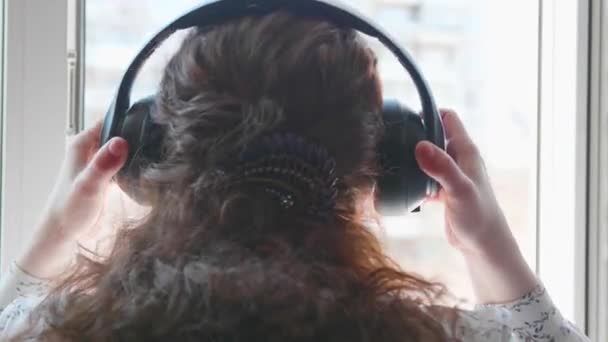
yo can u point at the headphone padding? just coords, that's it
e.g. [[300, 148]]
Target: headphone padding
[[402, 185], [144, 137]]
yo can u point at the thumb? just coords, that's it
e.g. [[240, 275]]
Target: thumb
[[106, 162], [437, 164]]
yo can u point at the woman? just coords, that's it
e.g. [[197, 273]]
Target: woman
[[226, 253]]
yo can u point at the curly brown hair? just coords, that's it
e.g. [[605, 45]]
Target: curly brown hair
[[206, 265]]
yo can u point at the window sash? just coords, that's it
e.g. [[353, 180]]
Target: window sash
[[35, 109], [562, 174], [597, 267]]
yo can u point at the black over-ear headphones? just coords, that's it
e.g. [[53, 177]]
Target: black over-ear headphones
[[402, 185]]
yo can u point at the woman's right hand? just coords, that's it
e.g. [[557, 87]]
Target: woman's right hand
[[473, 217], [475, 223]]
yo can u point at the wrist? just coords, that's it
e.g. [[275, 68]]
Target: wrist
[[46, 263], [495, 247], [499, 272], [495, 243], [49, 252]]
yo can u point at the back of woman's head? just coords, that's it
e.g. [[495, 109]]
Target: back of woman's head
[[217, 263]]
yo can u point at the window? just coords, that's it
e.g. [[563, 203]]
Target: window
[[467, 50], [463, 50], [113, 39], [480, 57], [397, 14], [528, 112]]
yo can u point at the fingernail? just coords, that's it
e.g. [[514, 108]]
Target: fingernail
[[117, 147], [427, 149]]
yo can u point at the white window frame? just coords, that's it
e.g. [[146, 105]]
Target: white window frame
[[39, 106], [597, 323], [35, 108], [2, 111], [562, 152]]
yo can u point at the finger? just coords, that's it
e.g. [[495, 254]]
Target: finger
[[438, 165], [451, 150], [87, 139], [103, 166], [454, 128], [459, 142], [437, 198]]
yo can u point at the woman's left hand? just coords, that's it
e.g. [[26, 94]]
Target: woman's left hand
[[76, 202]]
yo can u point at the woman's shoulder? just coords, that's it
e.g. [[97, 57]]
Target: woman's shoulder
[[473, 325], [20, 294], [15, 317], [533, 317]]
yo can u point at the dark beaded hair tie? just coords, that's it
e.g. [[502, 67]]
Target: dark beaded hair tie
[[299, 174]]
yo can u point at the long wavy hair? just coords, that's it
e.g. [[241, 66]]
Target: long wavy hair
[[206, 265]]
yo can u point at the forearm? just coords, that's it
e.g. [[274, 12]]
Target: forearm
[[48, 254], [499, 273]]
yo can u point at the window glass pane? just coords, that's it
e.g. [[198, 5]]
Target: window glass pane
[[475, 58], [480, 64]]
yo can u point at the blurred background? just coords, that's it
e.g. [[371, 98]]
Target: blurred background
[[480, 58]]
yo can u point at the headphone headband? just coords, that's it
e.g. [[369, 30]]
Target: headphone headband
[[216, 12]]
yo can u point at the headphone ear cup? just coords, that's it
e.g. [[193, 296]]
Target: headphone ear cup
[[145, 138], [402, 185]]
